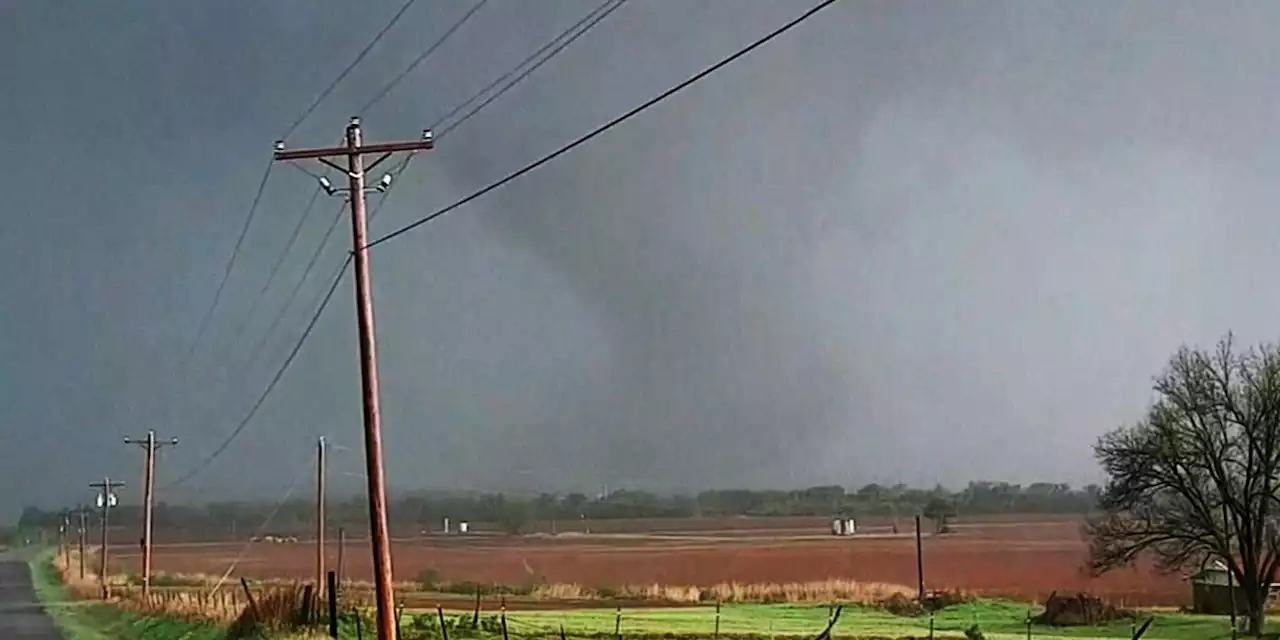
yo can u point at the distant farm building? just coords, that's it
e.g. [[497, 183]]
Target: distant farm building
[[1211, 591], [843, 527]]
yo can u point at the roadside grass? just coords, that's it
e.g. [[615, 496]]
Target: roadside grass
[[82, 620], [998, 620]]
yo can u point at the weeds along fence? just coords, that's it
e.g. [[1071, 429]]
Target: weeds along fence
[[247, 610]]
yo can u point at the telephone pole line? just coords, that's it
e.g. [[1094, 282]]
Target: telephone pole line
[[83, 531], [150, 445], [320, 515], [106, 500], [64, 545], [354, 150]]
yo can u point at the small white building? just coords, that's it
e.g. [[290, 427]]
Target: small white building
[[843, 527]]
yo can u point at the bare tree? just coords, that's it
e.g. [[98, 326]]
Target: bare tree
[[1197, 478]]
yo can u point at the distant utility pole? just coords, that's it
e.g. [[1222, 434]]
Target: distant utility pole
[[64, 545], [83, 531], [919, 563], [354, 151], [320, 515], [150, 445], [106, 500], [342, 553]]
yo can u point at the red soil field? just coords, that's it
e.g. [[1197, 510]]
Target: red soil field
[[1024, 559]]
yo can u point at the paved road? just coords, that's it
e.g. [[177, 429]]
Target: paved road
[[21, 616]]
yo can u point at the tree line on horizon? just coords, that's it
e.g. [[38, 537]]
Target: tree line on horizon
[[520, 513], [1196, 480]]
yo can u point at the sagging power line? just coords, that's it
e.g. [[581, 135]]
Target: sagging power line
[[439, 42], [347, 71], [275, 266], [591, 20], [606, 126], [435, 126], [315, 317]]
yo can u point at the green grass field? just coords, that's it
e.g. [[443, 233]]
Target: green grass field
[[94, 621], [997, 620]]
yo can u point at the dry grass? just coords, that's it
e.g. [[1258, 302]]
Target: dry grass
[[277, 609], [281, 605], [834, 590], [185, 593], [825, 591]]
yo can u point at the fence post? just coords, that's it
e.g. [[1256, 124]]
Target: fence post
[[253, 607], [333, 603], [504, 618], [308, 602], [444, 630], [617, 623], [717, 634]]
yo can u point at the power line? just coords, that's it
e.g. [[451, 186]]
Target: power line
[[341, 76], [259, 349], [293, 293], [262, 528], [217, 295], [395, 179], [510, 72], [226, 272], [606, 126], [204, 464], [594, 18], [315, 256], [275, 267], [421, 58]]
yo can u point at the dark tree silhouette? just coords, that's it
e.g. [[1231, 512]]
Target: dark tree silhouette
[[1197, 478]]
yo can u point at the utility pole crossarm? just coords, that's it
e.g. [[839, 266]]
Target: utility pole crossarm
[[425, 144]]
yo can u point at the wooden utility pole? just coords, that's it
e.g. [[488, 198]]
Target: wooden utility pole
[[919, 562], [106, 500], [342, 553], [83, 531], [354, 151], [320, 516], [64, 545], [150, 445]]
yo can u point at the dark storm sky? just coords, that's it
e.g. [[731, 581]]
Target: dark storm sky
[[909, 241]]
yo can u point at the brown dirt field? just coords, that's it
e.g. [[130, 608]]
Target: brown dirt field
[[998, 557]]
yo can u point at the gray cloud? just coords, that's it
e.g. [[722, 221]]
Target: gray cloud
[[909, 242]]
